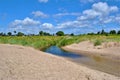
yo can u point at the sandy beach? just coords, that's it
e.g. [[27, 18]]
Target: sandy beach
[[109, 50], [26, 63]]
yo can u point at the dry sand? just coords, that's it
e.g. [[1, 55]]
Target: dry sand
[[109, 50], [26, 63]]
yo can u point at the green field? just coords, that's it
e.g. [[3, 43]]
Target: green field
[[40, 42]]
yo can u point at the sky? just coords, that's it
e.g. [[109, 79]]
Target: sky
[[70, 16]]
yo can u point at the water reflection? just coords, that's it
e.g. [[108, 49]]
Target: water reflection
[[58, 51]]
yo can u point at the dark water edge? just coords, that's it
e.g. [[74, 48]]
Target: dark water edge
[[94, 62]]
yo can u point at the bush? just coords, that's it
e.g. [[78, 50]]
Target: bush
[[97, 42]]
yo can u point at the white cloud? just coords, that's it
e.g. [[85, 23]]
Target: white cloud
[[90, 14], [25, 22], [99, 10], [43, 1], [87, 1], [47, 26], [93, 1], [67, 14], [114, 9], [107, 19], [25, 25], [99, 14], [117, 19], [72, 24], [39, 14], [104, 8]]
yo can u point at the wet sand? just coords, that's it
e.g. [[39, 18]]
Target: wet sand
[[26, 63], [106, 59]]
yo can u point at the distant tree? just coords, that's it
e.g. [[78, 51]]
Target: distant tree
[[103, 32], [98, 32], [1, 34], [60, 33], [112, 32], [46, 34], [41, 33], [14, 32], [118, 32], [72, 34], [91, 33], [20, 34], [9, 33]]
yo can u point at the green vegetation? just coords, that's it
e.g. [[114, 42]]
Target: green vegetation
[[97, 43], [42, 40], [60, 33]]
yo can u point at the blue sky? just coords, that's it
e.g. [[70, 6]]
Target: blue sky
[[70, 16]]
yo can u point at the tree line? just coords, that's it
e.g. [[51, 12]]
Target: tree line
[[103, 32], [41, 33], [59, 33]]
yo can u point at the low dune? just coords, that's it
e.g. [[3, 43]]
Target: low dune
[[109, 50], [26, 63]]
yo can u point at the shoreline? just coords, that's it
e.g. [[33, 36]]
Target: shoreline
[[83, 48], [26, 63]]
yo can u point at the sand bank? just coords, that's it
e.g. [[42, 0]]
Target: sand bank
[[109, 50], [26, 63]]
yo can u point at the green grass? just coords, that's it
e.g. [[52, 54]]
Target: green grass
[[41, 42]]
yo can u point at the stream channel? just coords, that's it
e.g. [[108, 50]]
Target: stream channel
[[94, 62]]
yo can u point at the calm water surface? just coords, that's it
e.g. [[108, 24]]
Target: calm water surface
[[94, 62]]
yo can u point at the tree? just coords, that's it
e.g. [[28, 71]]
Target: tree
[[98, 32], [1, 34], [112, 32], [60, 33], [46, 34], [118, 32], [72, 34], [20, 34], [41, 33], [102, 32], [9, 33], [14, 32]]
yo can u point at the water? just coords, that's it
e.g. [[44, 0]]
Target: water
[[94, 62], [59, 52]]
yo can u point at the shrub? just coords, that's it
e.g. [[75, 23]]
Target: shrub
[[97, 42]]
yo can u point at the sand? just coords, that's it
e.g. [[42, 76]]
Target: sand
[[110, 50], [26, 63]]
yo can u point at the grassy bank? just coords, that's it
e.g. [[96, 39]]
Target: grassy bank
[[40, 42]]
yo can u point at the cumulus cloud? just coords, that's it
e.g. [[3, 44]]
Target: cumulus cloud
[[100, 10], [39, 14], [100, 13], [43, 1], [104, 8], [26, 24], [72, 24], [47, 26]]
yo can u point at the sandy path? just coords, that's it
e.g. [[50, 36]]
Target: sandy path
[[25, 63]]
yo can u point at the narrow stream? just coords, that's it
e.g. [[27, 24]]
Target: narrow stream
[[94, 62]]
